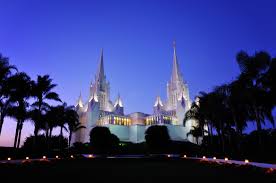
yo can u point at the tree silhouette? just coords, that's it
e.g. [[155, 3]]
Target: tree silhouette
[[157, 138], [74, 125], [41, 92], [20, 91], [102, 141], [5, 72]]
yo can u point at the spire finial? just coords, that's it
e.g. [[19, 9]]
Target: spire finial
[[79, 102], [174, 44], [158, 101], [118, 101], [100, 73]]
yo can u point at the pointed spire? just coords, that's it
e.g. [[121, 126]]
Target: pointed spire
[[94, 97], [182, 96], [158, 101], [79, 102], [100, 73], [176, 75], [182, 99], [118, 101]]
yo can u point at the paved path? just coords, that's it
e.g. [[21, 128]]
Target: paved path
[[262, 165]]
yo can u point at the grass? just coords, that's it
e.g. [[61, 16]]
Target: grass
[[134, 170]]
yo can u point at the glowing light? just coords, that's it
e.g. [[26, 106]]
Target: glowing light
[[72, 156], [44, 157], [56, 157], [226, 159], [246, 161], [214, 158], [9, 159], [204, 157], [90, 156], [27, 158], [185, 156], [169, 155]]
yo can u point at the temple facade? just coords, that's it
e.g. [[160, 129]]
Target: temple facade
[[99, 110]]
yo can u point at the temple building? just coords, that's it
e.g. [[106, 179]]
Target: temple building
[[99, 110]]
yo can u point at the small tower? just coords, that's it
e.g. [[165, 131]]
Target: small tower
[[158, 106], [118, 106], [79, 103]]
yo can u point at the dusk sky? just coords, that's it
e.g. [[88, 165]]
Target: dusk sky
[[64, 39]]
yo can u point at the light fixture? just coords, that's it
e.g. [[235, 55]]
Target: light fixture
[[169, 155], [44, 157], [9, 158], [226, 159], [56, 157], [27, 158], [214, 158], [90, 156], [246, 161], [185, 156], [72, 156], [204, 157]]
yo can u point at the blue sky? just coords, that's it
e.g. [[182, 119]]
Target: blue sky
[[63, 38]]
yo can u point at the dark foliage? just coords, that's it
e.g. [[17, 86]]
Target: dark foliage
[[42, 146], [102, 141], [249, 148], [157, 139]]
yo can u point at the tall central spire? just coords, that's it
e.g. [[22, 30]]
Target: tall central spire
[[176, 75], [100, 72]]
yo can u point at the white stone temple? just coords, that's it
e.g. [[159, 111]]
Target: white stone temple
[[99, 110]]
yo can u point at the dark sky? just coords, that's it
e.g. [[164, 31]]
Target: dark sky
[[64, 38]]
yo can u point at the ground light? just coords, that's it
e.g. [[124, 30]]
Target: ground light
[[185, 156], [90, 156], [27, 158], [226, 159], [214, 158], [9, 159], [44, 157], [169, 156], [204, 157], [246, 161], [72, 156], [56, 157]]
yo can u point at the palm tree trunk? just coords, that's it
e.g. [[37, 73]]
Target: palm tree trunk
[[1, 122], [16, 134], [259, 129], [49, 138], [221, 140], [210, 133], [50, 134], [19, 135], [69, 139], [60, 138], [239, 135], [35, 136], [61, 131]]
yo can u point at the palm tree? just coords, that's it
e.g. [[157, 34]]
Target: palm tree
[[253, 69], [268, 80], [20, 87], [61, 118], [74, 125], [5, 73], [42, 91], [50, 118]]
